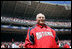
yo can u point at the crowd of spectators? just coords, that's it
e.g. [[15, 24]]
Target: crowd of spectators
[[62, 44], [65, 44], [23, 21], [65, 24], [16, 20], [12, 45]]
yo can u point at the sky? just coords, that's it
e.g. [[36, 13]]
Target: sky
[[57, 2]]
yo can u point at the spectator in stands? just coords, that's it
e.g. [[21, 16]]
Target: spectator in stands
[[23, 45], [66, 45], [6, 45], [3, 46], [9, 45], [20, 45], [14, 45]]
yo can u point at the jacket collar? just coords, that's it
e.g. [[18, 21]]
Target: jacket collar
[[41, 25]]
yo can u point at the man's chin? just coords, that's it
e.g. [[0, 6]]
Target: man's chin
[[41, 22]]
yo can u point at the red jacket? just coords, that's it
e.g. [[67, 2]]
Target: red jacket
[[41, 37]]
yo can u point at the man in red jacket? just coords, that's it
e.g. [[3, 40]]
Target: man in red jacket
[[40, 35]]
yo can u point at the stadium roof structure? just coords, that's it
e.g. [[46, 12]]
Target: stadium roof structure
[[57, 2], [23, 10]]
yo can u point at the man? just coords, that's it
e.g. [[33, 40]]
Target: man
[[40, 35]]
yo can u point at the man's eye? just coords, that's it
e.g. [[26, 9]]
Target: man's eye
[[42, 17], [39, 17]]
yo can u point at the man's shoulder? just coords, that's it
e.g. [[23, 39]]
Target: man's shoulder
[[50, 28], [32, 27]]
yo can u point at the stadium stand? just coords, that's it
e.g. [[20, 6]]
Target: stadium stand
[[17, 17]]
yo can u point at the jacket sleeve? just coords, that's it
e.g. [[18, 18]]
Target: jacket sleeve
[[29, 41], [56, 38]]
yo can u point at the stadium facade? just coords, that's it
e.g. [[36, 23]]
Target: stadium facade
[[17, 17]]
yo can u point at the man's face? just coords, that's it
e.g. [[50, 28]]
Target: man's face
[[40, 19]]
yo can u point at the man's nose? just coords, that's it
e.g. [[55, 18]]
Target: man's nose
[[41, 18]]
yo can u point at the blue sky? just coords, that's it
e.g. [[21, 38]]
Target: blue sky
[[57, 2]]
